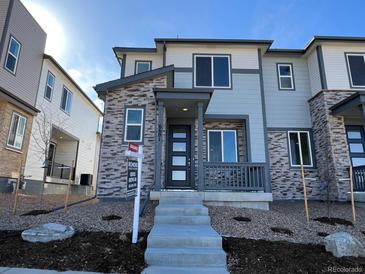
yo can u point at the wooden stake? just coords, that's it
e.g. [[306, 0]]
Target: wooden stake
[[69, 186], [305, 194], [352, 196], [17, 187]]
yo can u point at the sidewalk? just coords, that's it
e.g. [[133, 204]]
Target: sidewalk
[[14, 270]]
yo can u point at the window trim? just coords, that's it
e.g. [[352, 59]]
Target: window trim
[[25, 128], [300, 148], [141, 61], [347, 54], [278, 65], [69, 92], [212, 70], [11, 37], [52, 88], [126, 124], [222, 146]]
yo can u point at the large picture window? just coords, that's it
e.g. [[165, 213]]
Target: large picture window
[[133, 129], [300, 149], [66, 100], [212, 71], [222, 146], [12, 56], [356, 66], [285, 76], [17, 130]]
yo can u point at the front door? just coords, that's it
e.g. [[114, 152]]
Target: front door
[[179, 157]]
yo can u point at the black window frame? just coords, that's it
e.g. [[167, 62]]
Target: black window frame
[[45, 89], [347, 54], [141, 61], [11, 37]]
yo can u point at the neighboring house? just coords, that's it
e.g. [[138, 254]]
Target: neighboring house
[[236, 119], [22, 43], [72, 121]]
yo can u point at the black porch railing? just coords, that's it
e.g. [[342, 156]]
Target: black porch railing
[[359, 178], [59, 171]]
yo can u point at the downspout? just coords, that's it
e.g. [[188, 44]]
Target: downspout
[[164, 55]]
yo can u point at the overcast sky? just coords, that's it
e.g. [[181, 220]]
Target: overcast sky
[[81, 33]]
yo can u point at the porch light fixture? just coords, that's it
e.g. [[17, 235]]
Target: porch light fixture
[[185, 109]]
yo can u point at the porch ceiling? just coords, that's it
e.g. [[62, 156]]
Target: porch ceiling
[[351, 106], [61, 135]]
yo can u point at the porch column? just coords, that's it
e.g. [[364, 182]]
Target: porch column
[[200, 148], [158, 145]]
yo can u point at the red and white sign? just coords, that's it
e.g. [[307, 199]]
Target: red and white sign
[[133, 147]]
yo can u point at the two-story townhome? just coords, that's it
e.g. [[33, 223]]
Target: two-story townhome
[[67, 129], [236, 119], [22, 43]]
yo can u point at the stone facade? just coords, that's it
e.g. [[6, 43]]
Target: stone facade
[[330, 142], [113, 162]]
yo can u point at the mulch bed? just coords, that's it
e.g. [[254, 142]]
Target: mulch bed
[[242, 219], [260, 256], [111, 217], [35, 212], [322, 234], [333, 221]]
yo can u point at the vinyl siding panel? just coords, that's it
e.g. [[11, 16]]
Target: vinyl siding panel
[[4, 5], [157, 61], [183, 79], [26, 30], [314, 75], [287, 108]]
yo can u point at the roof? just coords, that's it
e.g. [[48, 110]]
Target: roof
[[213, 41], [49, 57], [333, 39], [19, 100], [132, 79], [351, 101], [133, 49]]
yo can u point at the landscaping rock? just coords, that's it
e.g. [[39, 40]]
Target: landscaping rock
[[342, 244], [48, 232]]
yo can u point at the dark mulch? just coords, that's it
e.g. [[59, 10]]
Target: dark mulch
[[111, 217], [260, 256], [333, 221], [363, 232], [322, 234], [36, 212], [242, 219], [282, 230], [86, 251]]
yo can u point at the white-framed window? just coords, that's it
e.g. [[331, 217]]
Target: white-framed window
[[300, 149], [66, 100], [222, 145], [356, 67], [49, 86], [133, 128], [212, 71], [285, 76], [12, 56], [16, 131], [142, 66]]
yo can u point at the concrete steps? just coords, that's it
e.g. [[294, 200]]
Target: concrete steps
[[182, 240]]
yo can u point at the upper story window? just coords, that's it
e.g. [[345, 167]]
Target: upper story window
[[49, 86], [222, 146], [285, 76], [356, 65], [300, 149], [66, 100], [12, 56], [142, 66], [133, 127], [212, 71], [17, 130]]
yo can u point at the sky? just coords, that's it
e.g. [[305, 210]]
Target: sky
[[81, 33]]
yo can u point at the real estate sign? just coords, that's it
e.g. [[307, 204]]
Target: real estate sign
[[132, 175]]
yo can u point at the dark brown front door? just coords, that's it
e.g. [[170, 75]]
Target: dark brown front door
[[179, 157]]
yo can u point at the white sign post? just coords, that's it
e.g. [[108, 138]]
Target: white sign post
[[137, 198]]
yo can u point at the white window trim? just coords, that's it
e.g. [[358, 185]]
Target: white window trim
[[69, 93], [143, 62], [222, 142], [52, 88], [212, 70], [133, 124], [16, 57], [17, 128], [349, 67], [300, 148], [286, 76]]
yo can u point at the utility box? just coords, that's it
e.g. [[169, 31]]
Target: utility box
[[86, 179]]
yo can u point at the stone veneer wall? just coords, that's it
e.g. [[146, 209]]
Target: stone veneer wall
[[330, 141], [113, 162], [286, 182]]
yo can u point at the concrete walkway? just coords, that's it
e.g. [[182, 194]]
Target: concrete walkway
[[182, 240], [15, 270]]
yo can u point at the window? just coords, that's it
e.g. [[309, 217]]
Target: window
[[49, 86], [66, 100], [285, 76], [356, 65], [222, 146], [142, 66], [300, 149], [133, 129], [12, 56], [212, 71], [17, 130], [356, 143]]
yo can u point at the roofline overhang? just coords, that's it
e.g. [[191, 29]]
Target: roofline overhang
[[353, 101], [198, 94], [8, 96]]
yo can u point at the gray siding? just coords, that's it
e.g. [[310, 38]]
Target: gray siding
[[4, 4], [287, 108], [314, 75], [27, 31], [183, 80]]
